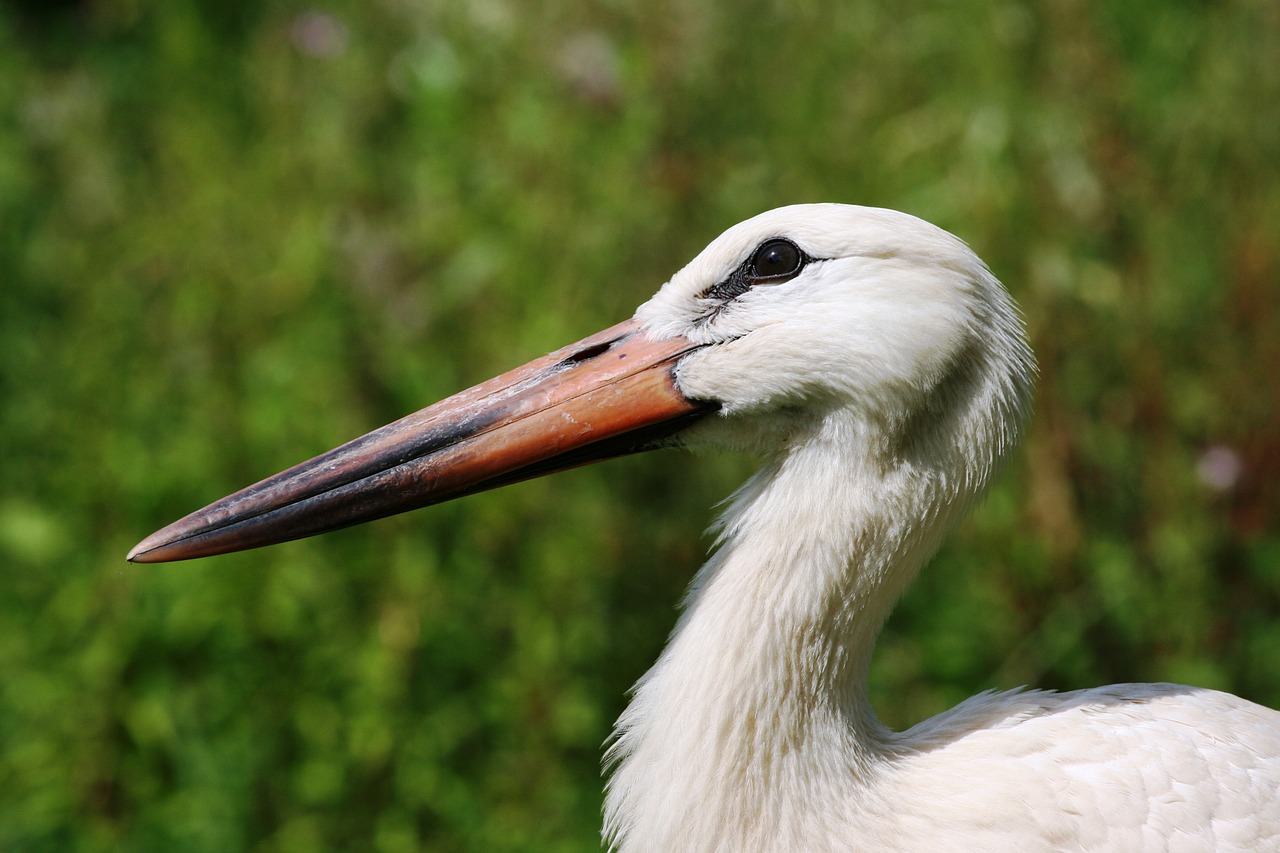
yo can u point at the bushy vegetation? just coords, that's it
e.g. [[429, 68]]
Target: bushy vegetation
[[235, 234]]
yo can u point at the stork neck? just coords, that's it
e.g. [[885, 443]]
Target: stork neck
[[764, 678]]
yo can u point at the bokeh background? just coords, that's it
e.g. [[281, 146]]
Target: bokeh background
[[234, 234]]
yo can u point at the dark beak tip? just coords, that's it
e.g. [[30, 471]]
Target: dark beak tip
[[143, 553], [159, 547]]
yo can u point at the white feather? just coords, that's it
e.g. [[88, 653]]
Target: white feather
[[883, 385]]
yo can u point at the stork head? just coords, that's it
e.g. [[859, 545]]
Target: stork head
[[786, 321], [811, 310]]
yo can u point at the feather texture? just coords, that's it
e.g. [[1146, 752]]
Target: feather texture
[[882, 385]]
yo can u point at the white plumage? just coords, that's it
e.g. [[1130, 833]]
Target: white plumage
[[882, 384], [881, 372]]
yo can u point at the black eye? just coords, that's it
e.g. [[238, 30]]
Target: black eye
[[776, 259], [774, 262]]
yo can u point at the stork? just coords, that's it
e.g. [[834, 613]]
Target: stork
[[882, 373]]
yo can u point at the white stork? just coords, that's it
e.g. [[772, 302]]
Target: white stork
[[882, 372]]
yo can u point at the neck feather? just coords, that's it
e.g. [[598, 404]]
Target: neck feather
[[756, 713]]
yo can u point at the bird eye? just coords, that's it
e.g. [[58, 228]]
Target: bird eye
[[776, 259], [774, 262]]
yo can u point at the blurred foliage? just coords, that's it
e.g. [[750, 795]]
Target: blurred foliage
[[235, 234]]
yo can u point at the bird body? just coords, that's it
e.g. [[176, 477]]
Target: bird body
[[881, 373]]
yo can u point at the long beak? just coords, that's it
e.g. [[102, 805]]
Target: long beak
[[608, 395]]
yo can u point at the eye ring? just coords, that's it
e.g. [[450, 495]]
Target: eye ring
[[776, 259]]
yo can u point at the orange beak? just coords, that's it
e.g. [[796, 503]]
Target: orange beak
[[608, 395]]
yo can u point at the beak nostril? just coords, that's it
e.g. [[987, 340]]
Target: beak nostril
[[587, 354]]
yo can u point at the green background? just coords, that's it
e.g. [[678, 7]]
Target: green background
[[233, 235]]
